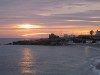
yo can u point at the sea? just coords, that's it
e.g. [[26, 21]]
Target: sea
[[47, 60]]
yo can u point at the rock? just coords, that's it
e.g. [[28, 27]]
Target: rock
[[98, 66]]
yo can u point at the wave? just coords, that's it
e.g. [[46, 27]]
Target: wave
[[95, 65]]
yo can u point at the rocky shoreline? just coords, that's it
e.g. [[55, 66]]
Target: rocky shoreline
[[47, 41], [57, 41]]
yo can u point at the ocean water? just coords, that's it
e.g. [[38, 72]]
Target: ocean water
[[9, 40], [48, 60]]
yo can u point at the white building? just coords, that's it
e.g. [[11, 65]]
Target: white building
[[97, 33], [69, 36]]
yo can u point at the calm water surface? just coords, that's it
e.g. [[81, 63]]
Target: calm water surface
[[47, 60]]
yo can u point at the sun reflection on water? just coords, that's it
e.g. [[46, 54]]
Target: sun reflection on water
[[87, 51], [27, 62]]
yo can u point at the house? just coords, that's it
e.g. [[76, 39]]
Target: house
[[53, 36], [97, 33], [66, 36]]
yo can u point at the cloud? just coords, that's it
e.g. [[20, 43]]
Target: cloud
[[93, 0], [35, 34], [49, 12]]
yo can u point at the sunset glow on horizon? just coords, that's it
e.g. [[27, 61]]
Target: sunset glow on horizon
[[28, 26], [43, 31], [39, 18]]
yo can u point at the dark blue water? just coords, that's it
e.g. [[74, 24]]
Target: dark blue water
[[47, 60]]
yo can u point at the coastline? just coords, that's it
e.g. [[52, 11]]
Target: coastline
[[49, 42], [94, 45], [91, 45]]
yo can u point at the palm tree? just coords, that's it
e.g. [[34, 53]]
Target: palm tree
[[91, 32]]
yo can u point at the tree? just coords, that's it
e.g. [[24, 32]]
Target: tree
[[91, 32]]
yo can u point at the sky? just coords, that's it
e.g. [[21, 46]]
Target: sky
[[38, 18]]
